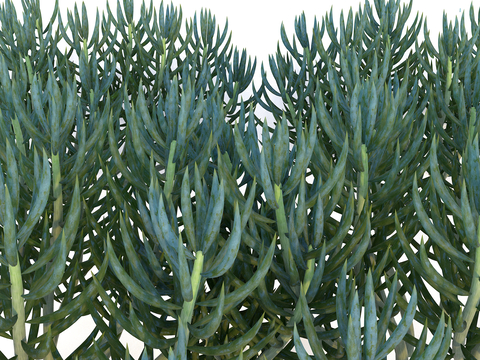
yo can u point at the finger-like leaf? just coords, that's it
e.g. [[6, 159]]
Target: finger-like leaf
[[119, 316], [10, 241], [434, 346], [354, 345], [247, 208], [438, 180], [435, 277], [280, 162], [187, 214], [345, 223], [370, 337], [317, 277], [233, 298], [144, 335], [445, 346], [76, 303], [426, 270], [232, 346], [69, 231], [468, 222], [387, 310], [337, 172], [167, 238], [318, 224], [214, 215], [262, 344], [181, 345], [131, 253], [400, 331], [434, 234], [7, 324], [170, 173], [228, 254], [184, 113], [12, 177], [52, 278], [267, 182], [119, 163], [38, 206], [301, 352], [341, 303], [314, 342], [290, 265], [303, 156], [215, 319], [42, 350], [243, 153], [132, 286], [184, 273]]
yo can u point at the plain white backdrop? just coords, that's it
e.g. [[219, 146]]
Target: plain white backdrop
[[255, 26]]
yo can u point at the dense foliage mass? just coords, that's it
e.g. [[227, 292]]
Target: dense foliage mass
[[135, 190]]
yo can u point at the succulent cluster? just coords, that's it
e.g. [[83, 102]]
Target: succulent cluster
[[135, 190]]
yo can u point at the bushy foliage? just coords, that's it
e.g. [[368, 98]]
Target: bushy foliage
[[135, 190]]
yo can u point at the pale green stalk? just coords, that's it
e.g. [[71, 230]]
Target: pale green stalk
[[449, 80], [309, 272], [57, 194], [56, 230], [18, 307], [471, 305], [363, 188], [188, 306]]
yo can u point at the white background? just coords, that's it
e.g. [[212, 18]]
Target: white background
[[255, 25]]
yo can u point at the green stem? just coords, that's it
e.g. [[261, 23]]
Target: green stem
[[472, 303], [18, 306], [188, 306], [307, 279], [363, 186], [57, 194], [449, 79], [56, 230]]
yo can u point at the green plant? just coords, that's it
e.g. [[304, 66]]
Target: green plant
[[134, 188]]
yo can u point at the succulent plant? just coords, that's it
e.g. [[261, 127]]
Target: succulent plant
[[135, 188]]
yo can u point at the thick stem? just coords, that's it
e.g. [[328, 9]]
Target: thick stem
[[471, 305], [18, 306], [363, 186], [188, 306], [57, 194], [56, 229]]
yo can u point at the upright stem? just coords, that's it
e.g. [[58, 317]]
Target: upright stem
[[56, 229], [188, 306], [18, 307], [363, 186], [472, 303], [57, 194]]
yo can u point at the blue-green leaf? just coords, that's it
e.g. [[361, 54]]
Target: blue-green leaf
[[401, 330]]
